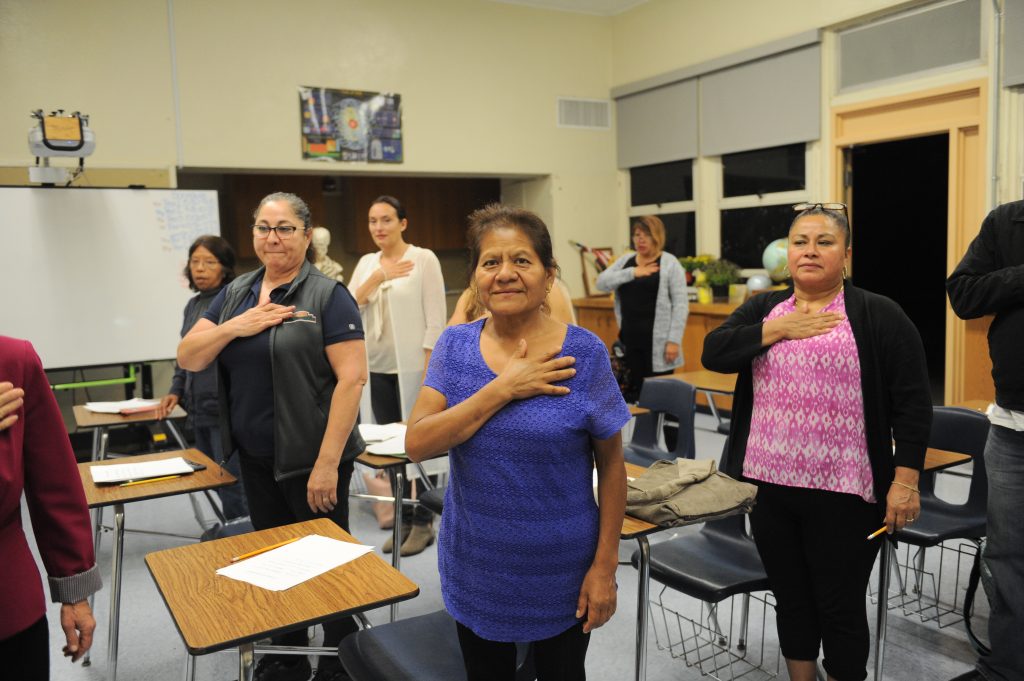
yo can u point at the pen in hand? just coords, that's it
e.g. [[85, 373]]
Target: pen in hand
[[264, 549], [877, 532]]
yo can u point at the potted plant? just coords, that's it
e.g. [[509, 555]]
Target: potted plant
[[691, 263], [720, 274]]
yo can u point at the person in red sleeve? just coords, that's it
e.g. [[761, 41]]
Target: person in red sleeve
[[36, 458]]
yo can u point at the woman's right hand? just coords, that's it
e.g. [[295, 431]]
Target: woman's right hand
[[396, 270], [11, 399], [797, 324], [524, 377], [256, 319], [646, 270]]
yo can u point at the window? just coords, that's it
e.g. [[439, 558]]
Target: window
[[764, 171], [747, 231], [680, 233], [661, 183]]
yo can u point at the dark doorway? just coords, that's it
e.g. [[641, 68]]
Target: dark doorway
[[899, 212]]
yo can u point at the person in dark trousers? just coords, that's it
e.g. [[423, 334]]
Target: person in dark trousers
[[990, 281], [288, 343], [830, 376], [211, 266]]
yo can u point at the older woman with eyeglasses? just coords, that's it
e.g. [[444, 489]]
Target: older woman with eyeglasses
[[288, 343], [830, 376]]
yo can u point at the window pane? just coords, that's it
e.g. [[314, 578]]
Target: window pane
[[747, 231], [661, 183], [762, 171], [680, 233]]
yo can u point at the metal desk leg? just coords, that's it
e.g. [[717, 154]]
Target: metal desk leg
[[713, 407], [96, 443], [190, 667], [115, 590], [196, 508], [642, 597], [397, 475], [245, 662], [104, 441], [883, 605]]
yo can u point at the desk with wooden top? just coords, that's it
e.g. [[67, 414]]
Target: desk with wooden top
[[99, 496], [100, 424], [213, 612], [634, 528]]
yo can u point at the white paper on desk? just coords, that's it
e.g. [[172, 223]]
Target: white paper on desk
[[373, 432], [116, 407], [393, 447], [120, 472], [294, 563]]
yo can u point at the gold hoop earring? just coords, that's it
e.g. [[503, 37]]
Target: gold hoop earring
[[785, 271], [846, 273]]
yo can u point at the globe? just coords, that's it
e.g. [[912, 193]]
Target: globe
[[758, 282], [774, 260]]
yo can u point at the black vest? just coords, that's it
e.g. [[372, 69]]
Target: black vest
[[303, 378]]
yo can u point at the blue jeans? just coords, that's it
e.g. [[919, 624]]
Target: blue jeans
[[232, 499], [1004, 554]]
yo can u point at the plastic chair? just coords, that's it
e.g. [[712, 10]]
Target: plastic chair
[[957, 430], [663, 396], [423, 648]]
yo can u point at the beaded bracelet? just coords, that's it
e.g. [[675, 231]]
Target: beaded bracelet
[[912, 489]]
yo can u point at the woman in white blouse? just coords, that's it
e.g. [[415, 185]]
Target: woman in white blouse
[[400, 293]]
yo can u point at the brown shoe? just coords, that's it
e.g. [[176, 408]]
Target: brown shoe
[[420, 538], [389, 544]]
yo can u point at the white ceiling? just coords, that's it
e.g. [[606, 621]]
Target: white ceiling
[[605, 8]]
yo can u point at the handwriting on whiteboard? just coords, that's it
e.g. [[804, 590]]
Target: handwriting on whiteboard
[[183, 216]]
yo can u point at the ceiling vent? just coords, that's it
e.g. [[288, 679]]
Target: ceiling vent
[[594, 114]]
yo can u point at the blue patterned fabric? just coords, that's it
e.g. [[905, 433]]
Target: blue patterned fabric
[[520, 524]]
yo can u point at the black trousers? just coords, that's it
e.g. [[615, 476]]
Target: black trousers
[[387, 408], [26, 655], [818, 560], [638, 361], [273, 503], [559, 658]]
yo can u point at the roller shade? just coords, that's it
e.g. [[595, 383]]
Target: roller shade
[[1013, 44], [657, 126], [765, 103]]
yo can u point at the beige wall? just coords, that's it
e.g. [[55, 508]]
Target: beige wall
[[479, 82], [663, 35]]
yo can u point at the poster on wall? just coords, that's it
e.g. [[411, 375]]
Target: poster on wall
[[351, 125]]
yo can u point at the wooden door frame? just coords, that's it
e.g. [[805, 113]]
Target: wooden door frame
[[959, 110]]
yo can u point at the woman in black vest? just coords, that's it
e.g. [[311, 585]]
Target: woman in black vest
[[288, 343]]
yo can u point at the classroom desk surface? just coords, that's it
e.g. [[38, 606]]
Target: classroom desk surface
[[707, 381], [213, 612], [90, 419], [100, 496], [939, 459], [637, 411]]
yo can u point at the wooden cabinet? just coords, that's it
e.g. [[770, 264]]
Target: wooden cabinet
[[597, 314]]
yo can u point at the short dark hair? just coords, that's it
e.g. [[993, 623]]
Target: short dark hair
[[221, 250], [836, 217], [393, 202], [497, 215], [299, 207]]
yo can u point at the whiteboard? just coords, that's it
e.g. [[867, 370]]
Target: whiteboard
[[96, 276]]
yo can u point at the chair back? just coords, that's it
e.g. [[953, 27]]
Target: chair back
[[675, 398], [965, 431]]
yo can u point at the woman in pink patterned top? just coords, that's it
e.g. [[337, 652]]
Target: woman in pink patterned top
[[830, 376]]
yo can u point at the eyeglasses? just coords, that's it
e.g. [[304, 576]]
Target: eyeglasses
[[283, 231], [801, 207]]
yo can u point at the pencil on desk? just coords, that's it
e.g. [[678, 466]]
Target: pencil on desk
[[264, 549], [877, 532], [143, 482]]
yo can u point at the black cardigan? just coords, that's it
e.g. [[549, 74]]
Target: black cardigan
[[893, 377]]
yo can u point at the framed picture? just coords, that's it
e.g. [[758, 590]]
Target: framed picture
[[593, 262]]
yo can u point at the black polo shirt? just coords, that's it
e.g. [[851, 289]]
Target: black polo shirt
[[249, 380]]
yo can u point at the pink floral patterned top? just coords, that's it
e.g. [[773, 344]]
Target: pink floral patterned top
[[807, 425]]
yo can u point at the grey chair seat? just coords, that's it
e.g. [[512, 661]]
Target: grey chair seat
[[940, 521], [423, 648], [433, 499], [718, 562]]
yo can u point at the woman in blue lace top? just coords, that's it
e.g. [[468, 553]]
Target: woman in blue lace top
[[526, 406]]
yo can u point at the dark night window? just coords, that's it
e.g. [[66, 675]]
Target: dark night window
[[747, 231], [763, 171], [661, 183]]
